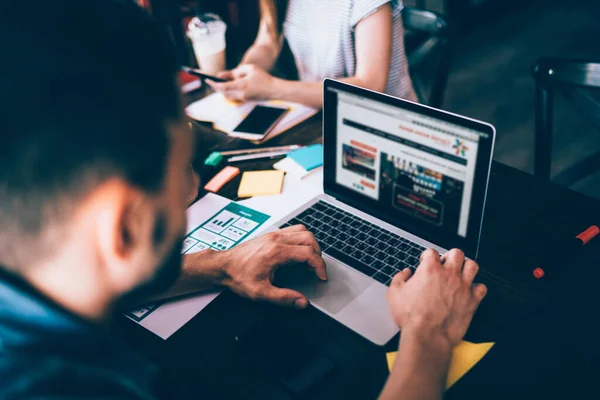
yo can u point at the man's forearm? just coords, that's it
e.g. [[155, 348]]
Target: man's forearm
[[420, 370], [200, 271]]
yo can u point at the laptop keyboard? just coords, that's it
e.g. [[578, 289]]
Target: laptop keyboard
[[374, 251]]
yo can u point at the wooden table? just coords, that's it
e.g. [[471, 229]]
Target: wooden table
[[524, 217]]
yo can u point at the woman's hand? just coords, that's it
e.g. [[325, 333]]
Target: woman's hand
[[246, 82]]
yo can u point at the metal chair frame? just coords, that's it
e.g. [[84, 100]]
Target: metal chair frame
[[574, 80], [428, 34]]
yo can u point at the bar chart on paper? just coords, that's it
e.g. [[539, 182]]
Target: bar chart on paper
[[221, 221], [225, 229]]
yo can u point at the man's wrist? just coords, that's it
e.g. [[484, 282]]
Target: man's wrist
[[427, 356], [421, 366], [432, 340], [213, 266]]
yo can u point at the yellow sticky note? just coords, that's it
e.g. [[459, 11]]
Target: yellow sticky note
[[258, 183], [464, 357]]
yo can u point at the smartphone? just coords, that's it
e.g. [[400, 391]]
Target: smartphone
[[202, 75], [259, 122], [294, 364]]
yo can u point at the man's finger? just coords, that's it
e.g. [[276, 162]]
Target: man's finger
[[455, 259], [401, 277], [405, 274], [306, 254], [430, 257], [470, 270], [294, 228], [299, 238], [479, 291], [284, 297]]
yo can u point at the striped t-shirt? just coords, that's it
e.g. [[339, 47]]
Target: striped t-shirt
[[321, 36]]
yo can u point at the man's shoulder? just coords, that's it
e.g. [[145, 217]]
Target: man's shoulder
[[47, 352], [31, 376]]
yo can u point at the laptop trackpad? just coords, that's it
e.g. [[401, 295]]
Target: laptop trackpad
[[342, 286]]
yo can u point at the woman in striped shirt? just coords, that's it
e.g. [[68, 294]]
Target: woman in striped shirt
[[357, 41]]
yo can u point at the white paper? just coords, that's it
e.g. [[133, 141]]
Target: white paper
[[295, 193], [169, 317], [226, 115], [209, 109], [172, 315]]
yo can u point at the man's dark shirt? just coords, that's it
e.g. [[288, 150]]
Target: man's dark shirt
[[48, 353]]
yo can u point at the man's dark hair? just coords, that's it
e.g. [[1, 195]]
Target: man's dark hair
[[87, 88]]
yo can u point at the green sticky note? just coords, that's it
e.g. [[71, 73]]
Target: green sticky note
[[214, 159]]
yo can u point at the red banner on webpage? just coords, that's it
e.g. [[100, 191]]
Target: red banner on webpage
[[367, 184], [363, 146]]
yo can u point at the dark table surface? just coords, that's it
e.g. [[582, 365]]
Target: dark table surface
[[526, 219]]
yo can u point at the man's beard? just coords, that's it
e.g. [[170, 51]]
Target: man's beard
[[165, 276], [168, 271]]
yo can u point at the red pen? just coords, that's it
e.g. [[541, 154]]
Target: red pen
[[574, 247]]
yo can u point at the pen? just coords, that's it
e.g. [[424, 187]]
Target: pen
[[269, 154], [260, 150], [571, 249]]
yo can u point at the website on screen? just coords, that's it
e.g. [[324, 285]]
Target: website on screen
[[410, 163]]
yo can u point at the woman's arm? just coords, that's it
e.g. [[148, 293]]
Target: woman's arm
[[373, 41], [264, 51], [373, 47]]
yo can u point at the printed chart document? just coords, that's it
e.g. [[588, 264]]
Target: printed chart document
[[214, 222], [226, 115]]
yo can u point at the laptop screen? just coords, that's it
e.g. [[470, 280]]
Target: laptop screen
[[416, 167]]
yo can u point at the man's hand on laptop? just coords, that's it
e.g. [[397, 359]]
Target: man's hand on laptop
[[433, 309], [440, 298], [249, 268]]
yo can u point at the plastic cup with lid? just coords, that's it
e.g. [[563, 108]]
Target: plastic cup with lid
[[207, 33]]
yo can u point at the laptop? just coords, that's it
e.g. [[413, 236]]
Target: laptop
[[399, 177]]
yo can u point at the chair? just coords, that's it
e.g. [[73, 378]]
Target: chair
[[576, 81], [427, 43]]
